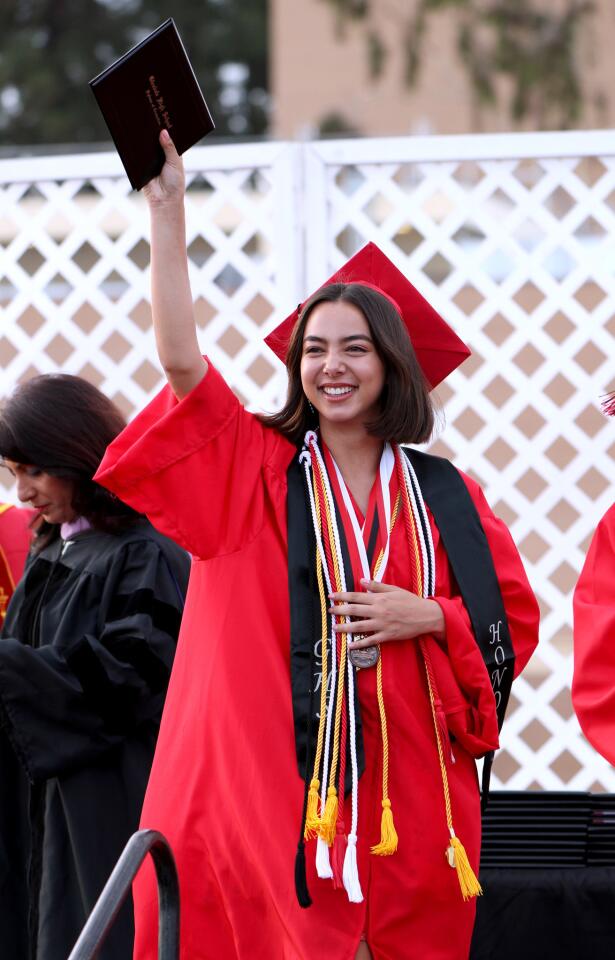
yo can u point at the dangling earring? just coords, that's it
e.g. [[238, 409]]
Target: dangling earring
[[312, 411]]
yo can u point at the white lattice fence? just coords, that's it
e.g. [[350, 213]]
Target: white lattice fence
[[510, 237], [74, 280]]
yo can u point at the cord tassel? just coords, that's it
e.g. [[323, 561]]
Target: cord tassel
[[301, 887], [388, 834], [326, 829], [458, 858], [323, 863], [352, 884], [338, 856], [312, 819]]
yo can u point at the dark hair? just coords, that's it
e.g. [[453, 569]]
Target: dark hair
[[406, 409], [63, 425]]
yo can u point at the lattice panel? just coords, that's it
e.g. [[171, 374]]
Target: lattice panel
[[74, 281], [509, 237], [518, 255]]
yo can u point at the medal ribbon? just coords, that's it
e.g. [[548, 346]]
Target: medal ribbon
[[386, 467]]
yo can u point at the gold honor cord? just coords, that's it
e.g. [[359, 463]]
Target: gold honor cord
[[388, 834], [455, 853], [312, 819], [323, 824]]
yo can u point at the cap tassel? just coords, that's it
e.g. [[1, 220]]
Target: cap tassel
[[352, 883], [458, 858], [323, 863], [312, 820], [388, 834], [338, 853], [301, 887]]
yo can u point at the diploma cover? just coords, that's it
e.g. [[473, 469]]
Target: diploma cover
[[151, 87]]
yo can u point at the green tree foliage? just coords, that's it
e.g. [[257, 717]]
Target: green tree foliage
[[535, 47], [51, 49]]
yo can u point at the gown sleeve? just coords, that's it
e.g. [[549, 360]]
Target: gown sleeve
[[194, 467], [15, 539], [593, 684], [67, 702], [461, 675]]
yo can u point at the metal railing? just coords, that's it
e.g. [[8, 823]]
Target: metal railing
[[117, 889]]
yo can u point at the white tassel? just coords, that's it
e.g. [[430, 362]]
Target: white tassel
[[352, 883], [323, 863], [350, 873]]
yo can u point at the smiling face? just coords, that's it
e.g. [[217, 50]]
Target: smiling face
[[50, 496], [341, 372]]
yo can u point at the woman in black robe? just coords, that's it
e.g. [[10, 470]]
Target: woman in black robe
[[85, 656]]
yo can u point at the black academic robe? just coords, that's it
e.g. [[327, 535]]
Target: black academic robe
[[85, 657]]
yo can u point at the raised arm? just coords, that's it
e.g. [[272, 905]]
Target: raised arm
[[172, 309]]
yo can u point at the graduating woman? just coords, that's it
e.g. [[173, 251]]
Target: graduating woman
[[329, 696], [593, 683], [85, 657]]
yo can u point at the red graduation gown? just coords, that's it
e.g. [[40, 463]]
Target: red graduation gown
[[224, 787], [15, 539], [593, 685]]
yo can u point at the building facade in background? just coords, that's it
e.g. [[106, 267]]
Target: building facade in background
[[320, 74]]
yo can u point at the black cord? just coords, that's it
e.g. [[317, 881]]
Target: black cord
[[301, 887]]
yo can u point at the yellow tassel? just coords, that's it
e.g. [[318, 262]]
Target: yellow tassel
[[326, 827], [388, 834], [312, 820], [458, 858]]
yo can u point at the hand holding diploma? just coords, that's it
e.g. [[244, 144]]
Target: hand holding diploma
[[169, 186]]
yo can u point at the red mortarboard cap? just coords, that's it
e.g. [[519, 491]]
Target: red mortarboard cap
[[439, 350]]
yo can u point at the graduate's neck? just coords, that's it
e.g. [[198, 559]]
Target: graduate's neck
[[357, 454]]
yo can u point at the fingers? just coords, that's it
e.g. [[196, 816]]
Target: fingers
[[375, 587], [373, 640], [357, 626], [348, 609], [168, 146], [349, 597], [372, 586]]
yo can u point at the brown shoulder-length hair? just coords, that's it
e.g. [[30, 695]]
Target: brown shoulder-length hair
[[406, 409], [62, 424]]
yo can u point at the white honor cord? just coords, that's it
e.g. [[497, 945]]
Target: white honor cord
[[350, 873], [420, 513], [321, 550], [387, 464], [418, 526]]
